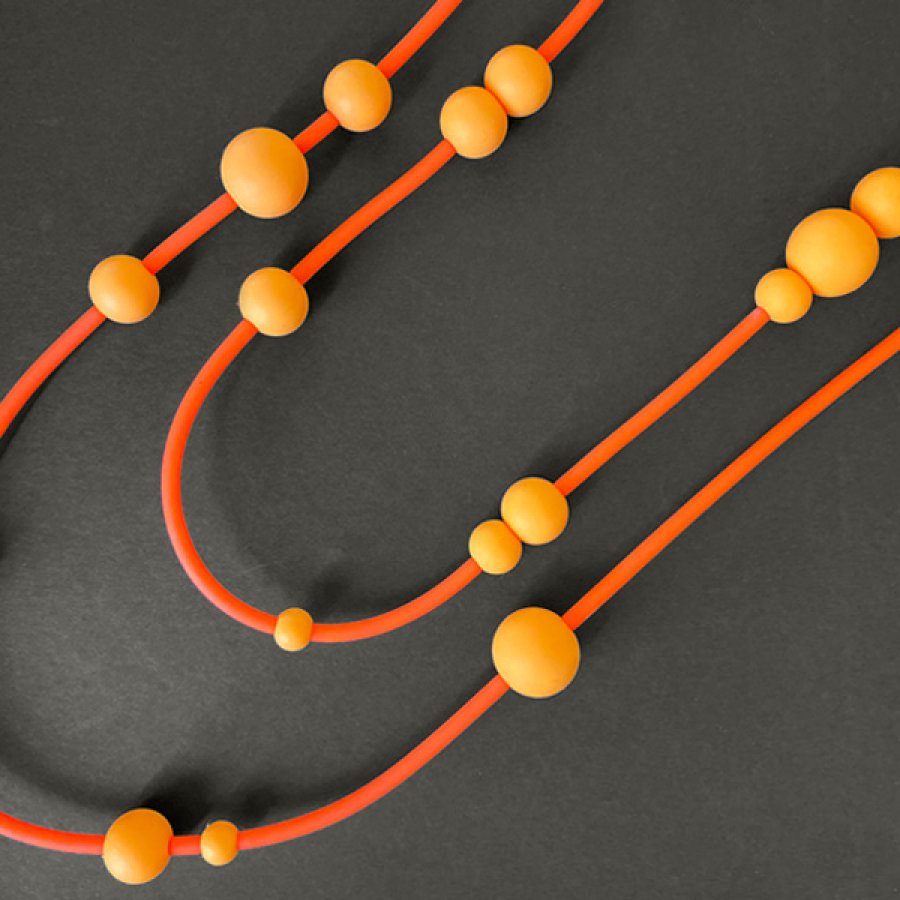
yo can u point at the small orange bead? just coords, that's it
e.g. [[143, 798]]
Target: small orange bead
[[536, 510], [877, 200], [358, 95], [494, 547], [834, 250], [136, 846], [274, 301], [123, 289], [219, 843], [293, 630], [265, 172], [520, 78], [474, 122], [784, 295], [535, 652]]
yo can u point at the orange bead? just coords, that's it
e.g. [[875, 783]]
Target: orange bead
[[494, 547], [293, 630], [136, 847], [535, 652], [265, 172], [474, 122], [536, 510], [358, 95], [834, 250], [877, 200], [784, 295], [274, 301], [219, 843], [123, 289], [520, 78]]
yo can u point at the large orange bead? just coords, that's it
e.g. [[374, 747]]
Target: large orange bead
[[274, 301], [520, 78], [474, 122], [877, 200], [219, 843], [123, 289], [265, 172], [535, 652], [834, 250], [536, 510], [136, 846], [358, 95]]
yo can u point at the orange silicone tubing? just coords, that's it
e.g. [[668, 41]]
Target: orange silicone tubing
[[496, 687], [463, 575], [203, 222], [189, 408]]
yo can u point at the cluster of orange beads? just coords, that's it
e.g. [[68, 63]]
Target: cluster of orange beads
[[265, 173], [834, 252]]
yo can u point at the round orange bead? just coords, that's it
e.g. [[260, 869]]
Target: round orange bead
[[136, 846], [494, 547], [293, 630], [123, 289], [219, 843], [535, 652], [877, 200], [834, 250], [474, 122], [536, 510], [358, 95], [784, 295], [520, 78], [274, 301], [265, 172]]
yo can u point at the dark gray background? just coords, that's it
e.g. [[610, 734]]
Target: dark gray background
[[733, 731]]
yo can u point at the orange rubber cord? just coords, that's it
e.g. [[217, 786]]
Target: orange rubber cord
[[468, 571], [689, 381], [487, 696], [306, 140], [577, 615], [569, 27], [207, 219], [46, 364]]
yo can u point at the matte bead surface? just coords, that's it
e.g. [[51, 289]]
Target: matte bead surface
[[536, 510], [535, 652], [520, 78], [265, 173], [123, 289], [784, 295], [293, 630], [136, 846], [274, 301], [219, 843], [494, 547], [474, 122], [877, 200], [358, 95], [834, 250]]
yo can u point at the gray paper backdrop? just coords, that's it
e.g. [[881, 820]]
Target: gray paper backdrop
[[733, 732]]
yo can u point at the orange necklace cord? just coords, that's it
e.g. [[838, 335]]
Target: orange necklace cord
[[468, 571], [577, 615], [203, 222], [496, 687]]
